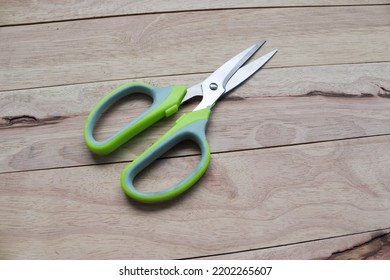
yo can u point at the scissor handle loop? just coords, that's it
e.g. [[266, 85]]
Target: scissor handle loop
[[166, 101], [191, 126]]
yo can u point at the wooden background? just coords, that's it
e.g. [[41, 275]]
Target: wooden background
[[300, 153]]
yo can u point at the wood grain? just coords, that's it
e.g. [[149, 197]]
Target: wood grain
[[246, 200], [20, 12], [191, 42], [267, 111], [375, 249], [317, 249]]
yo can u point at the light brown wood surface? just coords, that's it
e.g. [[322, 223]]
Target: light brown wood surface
[[249, 199], [300, 154], [356, 246], [191, 42], [19, 11], [375, 249]]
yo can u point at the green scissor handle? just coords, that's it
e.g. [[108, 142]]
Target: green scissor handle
[[166, 101], [190, 126]]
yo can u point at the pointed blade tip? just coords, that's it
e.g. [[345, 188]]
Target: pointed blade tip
[[272, 53], [260, 43]]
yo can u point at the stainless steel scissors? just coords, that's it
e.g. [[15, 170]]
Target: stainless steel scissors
[[190, 126]]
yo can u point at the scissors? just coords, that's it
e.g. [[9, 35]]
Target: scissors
[[190, 126]]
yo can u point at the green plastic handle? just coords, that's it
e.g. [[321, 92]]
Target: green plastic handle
[[166, 101], [190, 126]]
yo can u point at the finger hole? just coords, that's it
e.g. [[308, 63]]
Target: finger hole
[[120, 114], [170, 169]]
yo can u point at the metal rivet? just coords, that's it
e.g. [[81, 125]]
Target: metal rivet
[[213, 86]]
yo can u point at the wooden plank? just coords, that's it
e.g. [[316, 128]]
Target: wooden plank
[[318, 249], [247, 200], [190, 42], [21, 12], [42, 128]]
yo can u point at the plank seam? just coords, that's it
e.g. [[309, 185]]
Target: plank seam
[[214, 153], [190, 11], [290, 244], [187, 74]]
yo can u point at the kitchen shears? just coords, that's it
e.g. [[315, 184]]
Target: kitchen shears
[[190, 126]]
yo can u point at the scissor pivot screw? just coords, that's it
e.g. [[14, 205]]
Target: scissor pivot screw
[[213, 86]]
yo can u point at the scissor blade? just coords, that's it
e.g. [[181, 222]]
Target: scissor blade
[[222, 75], [248, 70], [214, 86]]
